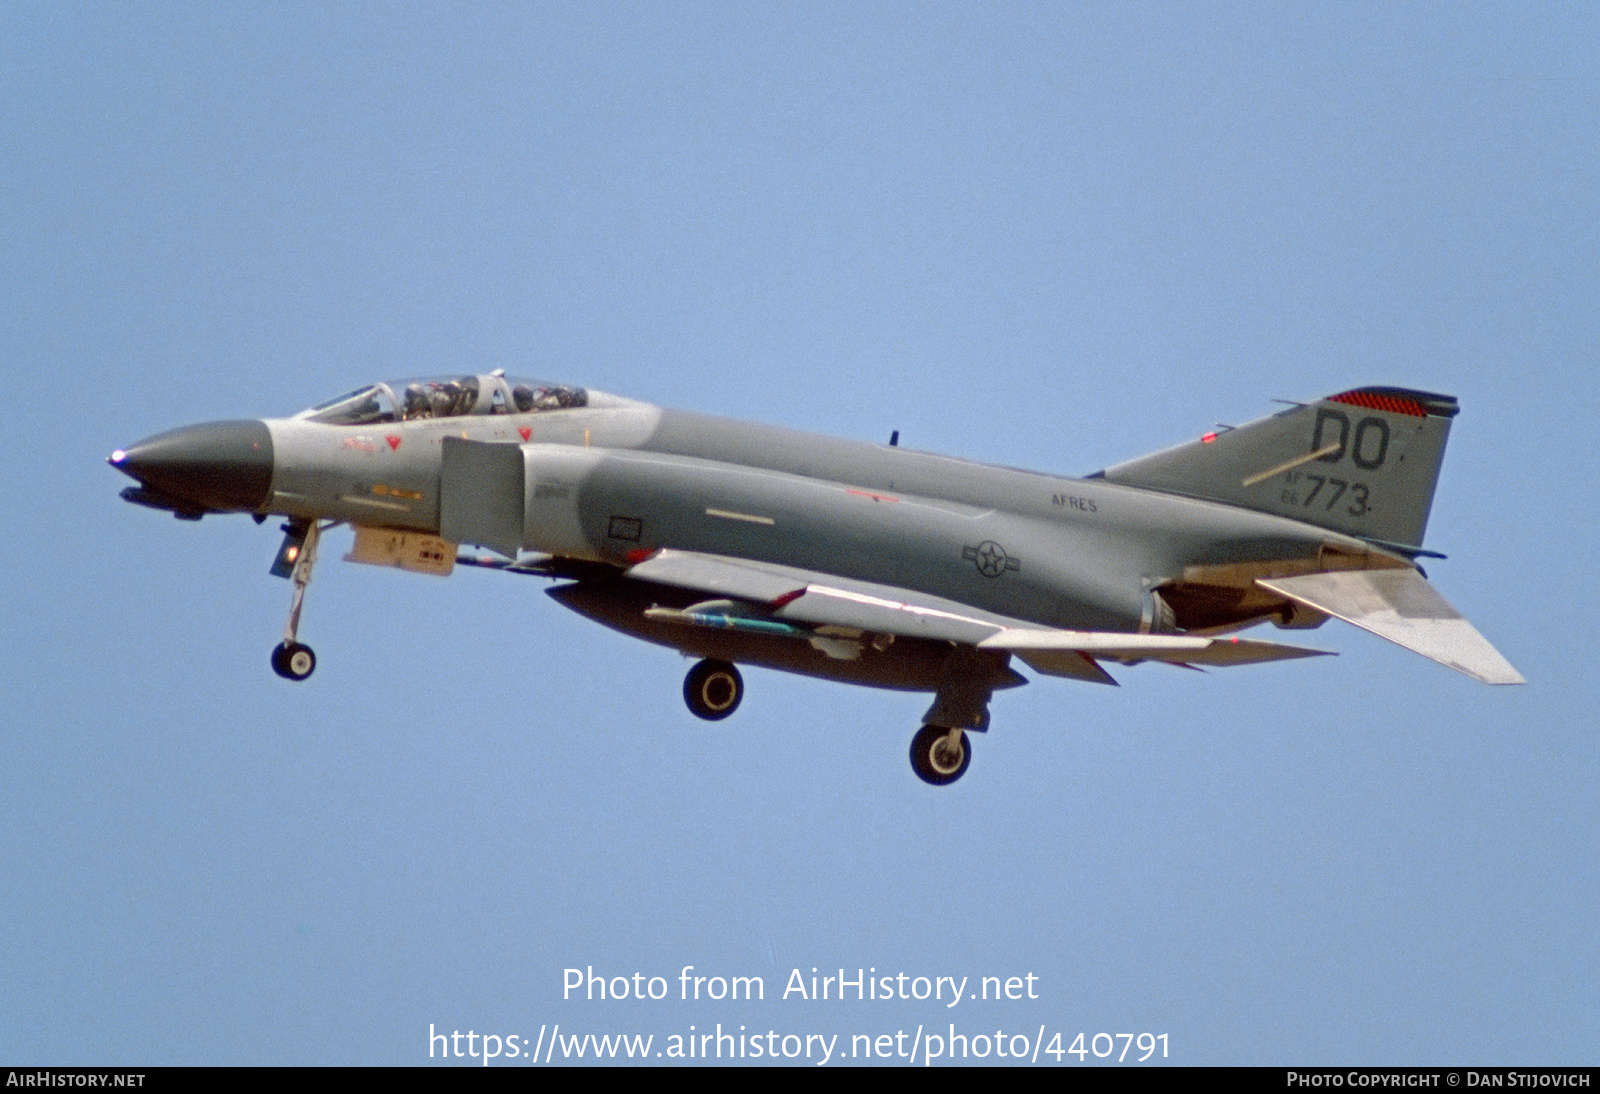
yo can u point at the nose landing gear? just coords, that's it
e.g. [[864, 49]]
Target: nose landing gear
[[296, 557]]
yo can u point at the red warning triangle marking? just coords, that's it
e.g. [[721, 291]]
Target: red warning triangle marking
[[394, 442], [526, 431]]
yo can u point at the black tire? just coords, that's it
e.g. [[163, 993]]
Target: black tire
[[292, 661], [713, 690], [931, 760]]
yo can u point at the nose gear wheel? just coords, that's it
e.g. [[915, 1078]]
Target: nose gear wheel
[[292, 661]]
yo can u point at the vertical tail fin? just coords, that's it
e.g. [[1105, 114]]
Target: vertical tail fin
[[1363, 462]]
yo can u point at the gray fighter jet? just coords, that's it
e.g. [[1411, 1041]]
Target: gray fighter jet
[[871, 564]]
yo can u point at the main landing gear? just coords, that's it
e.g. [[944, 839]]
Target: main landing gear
[[713, 690], [290, 659], [940, 756], [941, 752]]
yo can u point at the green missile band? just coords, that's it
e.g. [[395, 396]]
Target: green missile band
[[724, 621]]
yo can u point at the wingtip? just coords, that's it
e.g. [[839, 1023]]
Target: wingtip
[[1510, 678]]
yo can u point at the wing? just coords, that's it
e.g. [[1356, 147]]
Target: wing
[[1401, 606], [785, 600]]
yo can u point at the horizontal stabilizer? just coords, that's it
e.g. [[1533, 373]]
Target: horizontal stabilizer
[[1181, 649], [1401, 606]]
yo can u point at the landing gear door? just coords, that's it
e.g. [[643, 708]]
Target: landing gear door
[[481, 494]]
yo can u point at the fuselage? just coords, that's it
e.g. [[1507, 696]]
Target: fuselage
[[611, 480]]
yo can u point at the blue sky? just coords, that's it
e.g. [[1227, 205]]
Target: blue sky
[[1047, 236]]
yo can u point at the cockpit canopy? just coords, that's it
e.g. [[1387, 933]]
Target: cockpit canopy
[[446, 397]]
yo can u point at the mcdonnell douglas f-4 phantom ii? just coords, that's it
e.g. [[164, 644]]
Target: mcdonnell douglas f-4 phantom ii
[[871, 564]]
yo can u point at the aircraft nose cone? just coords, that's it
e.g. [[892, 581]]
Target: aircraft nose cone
[[218, 466]]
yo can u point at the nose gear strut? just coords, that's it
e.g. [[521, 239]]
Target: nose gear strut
[[296, 557]]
